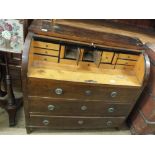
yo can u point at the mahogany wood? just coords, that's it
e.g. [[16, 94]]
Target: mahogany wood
[[54, 103]]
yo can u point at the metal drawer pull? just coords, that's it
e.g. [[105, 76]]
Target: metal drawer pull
[[58, 91], [83, 107], [45, 122], [80, 122], [88, 92], [51, 107], [109, 123], [111, 109], [113, 94]]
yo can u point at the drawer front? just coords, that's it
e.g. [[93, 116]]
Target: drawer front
[[55, 89], [46, 51], [45, 58], [125, 62], [107, 57], [46, 45], [61, 122], [124, 67], [128, 56], [77, 108]]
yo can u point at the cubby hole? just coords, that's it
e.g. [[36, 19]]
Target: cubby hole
[[71, 52], [88, 55]]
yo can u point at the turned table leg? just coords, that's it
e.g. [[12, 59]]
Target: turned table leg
[[12, 104]]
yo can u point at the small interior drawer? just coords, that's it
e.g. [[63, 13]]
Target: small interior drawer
[[123, 67], [125, 62], [46, 45], [107, 57], [68, 62], [128, 56], [45, 58], [46, 51]]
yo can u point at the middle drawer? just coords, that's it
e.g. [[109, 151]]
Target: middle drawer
[[77, 108]]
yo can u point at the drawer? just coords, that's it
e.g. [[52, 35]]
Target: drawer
[[46, 45], [128, 56], [69, 90], [61, 122], [45, 58], [107, 57], [68, 62], [125, 62], [78, 108], [46, 51], [124, 67]]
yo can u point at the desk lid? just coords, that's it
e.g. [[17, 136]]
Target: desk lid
[[84, 34]]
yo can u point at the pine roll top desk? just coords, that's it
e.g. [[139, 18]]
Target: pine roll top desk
[[79, 78]]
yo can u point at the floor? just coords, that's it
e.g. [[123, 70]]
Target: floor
[[19, 129]]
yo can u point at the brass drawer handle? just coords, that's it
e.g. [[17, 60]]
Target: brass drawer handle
[[51, 107], [88, 92], [83, 107], [45, 122], [113, 94], [80, 122], [111, 109], [58, 91], [109, 123]]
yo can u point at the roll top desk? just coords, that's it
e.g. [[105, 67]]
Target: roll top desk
[[78, 78]]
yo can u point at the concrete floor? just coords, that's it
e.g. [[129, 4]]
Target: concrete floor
[[19, 129]]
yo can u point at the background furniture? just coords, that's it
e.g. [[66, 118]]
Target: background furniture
[[142, 119], [77, 78], [11, 45]]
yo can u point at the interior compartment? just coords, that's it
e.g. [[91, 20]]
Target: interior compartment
[[71, 52], [88, 55], [119, 68]]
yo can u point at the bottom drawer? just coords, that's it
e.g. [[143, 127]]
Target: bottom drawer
[[61, 122]]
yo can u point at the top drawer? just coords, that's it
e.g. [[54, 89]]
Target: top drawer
[[46, 45], [69, 90]]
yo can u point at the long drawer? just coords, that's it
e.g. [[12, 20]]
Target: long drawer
[[61, 122], [77, 107], [69, 90]]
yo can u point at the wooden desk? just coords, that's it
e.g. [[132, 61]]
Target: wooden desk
[[79, 77]]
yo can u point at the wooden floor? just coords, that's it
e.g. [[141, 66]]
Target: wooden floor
[[19, 129]]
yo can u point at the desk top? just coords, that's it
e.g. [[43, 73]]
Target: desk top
[[87, 34]]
